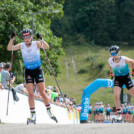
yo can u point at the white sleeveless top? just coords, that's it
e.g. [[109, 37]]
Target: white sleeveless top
[[31, 55], [120, 68]]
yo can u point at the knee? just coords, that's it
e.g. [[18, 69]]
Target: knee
[[31, 94]]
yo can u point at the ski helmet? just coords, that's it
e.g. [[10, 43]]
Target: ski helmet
[[25, 32], [114, 49]]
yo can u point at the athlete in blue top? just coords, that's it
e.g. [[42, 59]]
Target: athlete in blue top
[[33, 72], [119, 64], [108, 111], [90, 112]]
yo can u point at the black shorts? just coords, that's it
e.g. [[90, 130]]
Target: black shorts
[[34, 75], [90, 112], [101, 112], [97, 112], [108, 113], [123, 80], [124, 113]]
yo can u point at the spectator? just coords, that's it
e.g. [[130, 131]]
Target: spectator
[[108, 112], [55, 93], [5, 78], [37, 93], [1, 67], [22, 88], [90, 112], [50, 88], [48, 92], [67, 100]]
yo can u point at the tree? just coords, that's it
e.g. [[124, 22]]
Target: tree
[[103, 22], [16, 15]]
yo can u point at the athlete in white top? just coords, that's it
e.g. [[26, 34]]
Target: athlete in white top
[[33, 72], [119, 64]]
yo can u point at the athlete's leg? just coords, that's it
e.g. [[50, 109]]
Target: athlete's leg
[[109, 117], [89, 116], [41, 87], [117, 91], [131, 90], [30, 87]]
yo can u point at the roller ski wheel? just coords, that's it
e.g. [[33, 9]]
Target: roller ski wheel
[[117, 120], [54, 118], [30, 121]]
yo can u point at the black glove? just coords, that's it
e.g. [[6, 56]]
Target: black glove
[[111, 76], [13, 34], [12, 74], [39, 36], [133, 72]]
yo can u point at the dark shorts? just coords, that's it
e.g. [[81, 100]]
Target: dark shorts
[[124, 112], [101, 112], [130, 112], [108, 113], [123, 80], [90, 112], [35, 75], [97, 112]]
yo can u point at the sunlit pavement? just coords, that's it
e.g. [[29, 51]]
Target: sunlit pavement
[[110, 128]]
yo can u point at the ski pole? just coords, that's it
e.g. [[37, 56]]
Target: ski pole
[[39, 37], [52, 71], [9, 80], [54, 76]]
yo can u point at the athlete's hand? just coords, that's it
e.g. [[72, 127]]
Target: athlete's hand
[[39, 36], [133, 72], [111, 76], [13, 34]]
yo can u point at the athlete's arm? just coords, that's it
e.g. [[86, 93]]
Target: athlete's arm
[[111, 73], [131, 61], [42, 44], [10, 47], [110, 68]]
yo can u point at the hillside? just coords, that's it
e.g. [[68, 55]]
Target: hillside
[[80, 66]]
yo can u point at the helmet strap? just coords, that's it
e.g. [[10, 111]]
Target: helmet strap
[[119, 57], [30, 42]]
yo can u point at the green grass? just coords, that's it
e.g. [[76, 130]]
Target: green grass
[[91, 63]]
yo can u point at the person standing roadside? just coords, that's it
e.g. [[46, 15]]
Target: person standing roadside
[[1, 67], [7, 80]]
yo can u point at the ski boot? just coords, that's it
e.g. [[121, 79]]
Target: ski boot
[[32, 120], [119, 116], [49, 111]]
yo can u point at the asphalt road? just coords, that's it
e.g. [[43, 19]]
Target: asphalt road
[[123, 128]]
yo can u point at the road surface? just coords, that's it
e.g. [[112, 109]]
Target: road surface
[[123, 128]]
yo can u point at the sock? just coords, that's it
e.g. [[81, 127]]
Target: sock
[[32, 110], [119, 111], [48, 106]]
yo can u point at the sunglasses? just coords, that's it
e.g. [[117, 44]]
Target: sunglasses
[[27, 37], [113, 54]]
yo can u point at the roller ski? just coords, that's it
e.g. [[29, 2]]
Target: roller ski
[[32, 120], [117, 119], [51, 115]]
